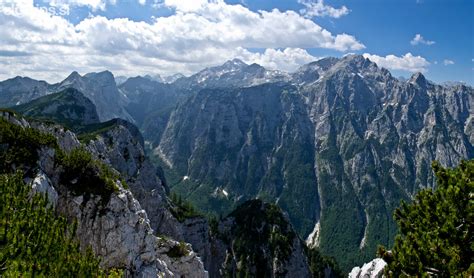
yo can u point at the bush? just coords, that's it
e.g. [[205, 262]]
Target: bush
[[83, 174], [19, 146], [34, 241], [178, 251]]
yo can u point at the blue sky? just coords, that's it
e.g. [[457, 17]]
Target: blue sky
[[49, 38]]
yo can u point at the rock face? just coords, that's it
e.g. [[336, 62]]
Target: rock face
[[337, 145], [373, 269], [122, 150], [20, 90]]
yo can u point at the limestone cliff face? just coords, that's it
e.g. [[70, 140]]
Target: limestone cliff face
[[337, 145], [124, 152]]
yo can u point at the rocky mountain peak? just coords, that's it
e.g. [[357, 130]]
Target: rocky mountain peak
[[235, 63], [73, 76], [418, 79], [106, 77]]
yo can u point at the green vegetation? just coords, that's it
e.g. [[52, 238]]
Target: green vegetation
[[19, 150], [92, 131], [34, 242], [19, 146], [258, 227], [178, 251], [182, 210], [436, 236], [66, 110], [322, 266], [83, 174]]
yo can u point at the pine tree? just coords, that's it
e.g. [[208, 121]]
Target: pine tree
[[436, 235]]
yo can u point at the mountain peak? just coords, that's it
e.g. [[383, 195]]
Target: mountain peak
[[418, 79], [73, 76], [236, 62], [100, 75]]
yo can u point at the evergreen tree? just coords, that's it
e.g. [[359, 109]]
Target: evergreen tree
[[436, 234]]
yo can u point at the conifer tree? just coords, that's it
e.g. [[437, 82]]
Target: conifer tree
[[436, 235]]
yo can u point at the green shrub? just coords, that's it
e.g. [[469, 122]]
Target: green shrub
[[36, 242], [19, 146], [178, 251], [83, 174]]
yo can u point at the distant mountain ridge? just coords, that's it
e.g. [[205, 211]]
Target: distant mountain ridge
[[100, 88], [337, 143], [68, 107]]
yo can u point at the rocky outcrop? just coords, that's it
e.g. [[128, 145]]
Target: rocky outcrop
[[373, 269]]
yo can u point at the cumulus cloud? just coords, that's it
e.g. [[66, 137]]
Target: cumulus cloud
[[319, 9], [407, 62], [418, 39], [447, 62], [195, 36], [288, 59]]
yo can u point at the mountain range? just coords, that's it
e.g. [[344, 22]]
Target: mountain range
[[336, 145]]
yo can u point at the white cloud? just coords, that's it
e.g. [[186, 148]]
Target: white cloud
[[418, 39], [319, 9], [93, 4], [407, 62], [447, 62], [288, 59], [196, 36]]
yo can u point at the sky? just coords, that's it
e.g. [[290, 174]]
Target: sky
[[48, 39]]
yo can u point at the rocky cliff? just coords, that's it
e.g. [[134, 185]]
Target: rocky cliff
[[337, 145]]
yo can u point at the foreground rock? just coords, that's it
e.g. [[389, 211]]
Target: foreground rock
[[373, 269]]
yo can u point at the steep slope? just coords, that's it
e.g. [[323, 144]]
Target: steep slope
[[337, 150], [68, 107], [150, 104], [108, 214], [239, 144]]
